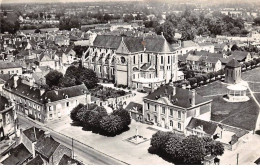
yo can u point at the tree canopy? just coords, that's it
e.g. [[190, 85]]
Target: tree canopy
[[184, 150]]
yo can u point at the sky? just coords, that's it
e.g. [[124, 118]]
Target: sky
[[56, 1]]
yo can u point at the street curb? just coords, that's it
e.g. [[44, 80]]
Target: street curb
[[43, 125]]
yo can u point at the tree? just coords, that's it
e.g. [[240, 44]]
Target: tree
[[234, 47], [168, 31], [53, 77], [173, 146], [74, 112], [125, 116], [111, 124], [194, 151], [217, 149], [159, 139], [107, 17], [49, 16], [67, 81], [82, 75], [68, 23], [257, 21], [37, 30]]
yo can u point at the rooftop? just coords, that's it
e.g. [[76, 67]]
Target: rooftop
[[182, 98]]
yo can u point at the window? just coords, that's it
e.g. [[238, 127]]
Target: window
[[161, 59], [39, 115], [171, 112], [134, 59], [179, 114], [179, 126], [155, 119], [50, 115], [168, 59], [155, 108], [171, 123], [50, 108], [68, 104], [133, 76], [148, 117], [148, 58], [150, 76], [163, 110], [7, 118], [148, 106], [100, 69], [141, 58]]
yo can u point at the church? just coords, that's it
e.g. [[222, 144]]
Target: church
[[137, 62]]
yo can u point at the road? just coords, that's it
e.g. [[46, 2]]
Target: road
[[82, 152]]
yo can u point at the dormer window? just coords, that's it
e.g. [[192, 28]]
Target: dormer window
[[66, 96]]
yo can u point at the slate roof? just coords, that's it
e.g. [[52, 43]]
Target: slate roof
[[66, 160], [18, 156], [46, 146], [36, 161], [69, 91], [33, 133], [138, 107], [34, 93], [107, 41], [3, 102], [8, 65], [239, 55], [208, 127], [233, 63], [181, 98], [134, 44]]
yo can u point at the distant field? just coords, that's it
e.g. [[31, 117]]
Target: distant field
[[242, 115]]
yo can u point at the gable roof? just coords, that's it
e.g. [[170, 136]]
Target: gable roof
[[134, 44], [138, 107], [66, 160], [36, 161], [33, 133], [181, 98], [208, 127], [8, 65], [18, 156], [233, 63], [107, 41], [46, 146]]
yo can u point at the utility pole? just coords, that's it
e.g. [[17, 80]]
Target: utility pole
[[237, 158]]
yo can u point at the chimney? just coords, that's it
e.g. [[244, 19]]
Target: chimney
[[193, 93], [15, 81]]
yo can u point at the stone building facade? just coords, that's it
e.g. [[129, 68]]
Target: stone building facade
[[137, 62], [43, 105], [172, 108]]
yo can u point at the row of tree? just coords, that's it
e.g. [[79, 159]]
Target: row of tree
[[205, 78], [95, 118], [75, 75], [184, 150]]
